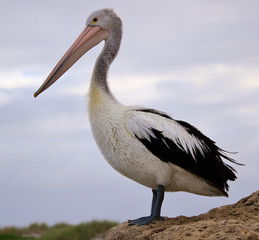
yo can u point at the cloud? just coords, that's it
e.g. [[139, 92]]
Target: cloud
[[10, 80]]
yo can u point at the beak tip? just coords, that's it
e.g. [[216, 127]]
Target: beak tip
[[35, 94]]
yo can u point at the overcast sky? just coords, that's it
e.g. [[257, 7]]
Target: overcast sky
[[196, 60]]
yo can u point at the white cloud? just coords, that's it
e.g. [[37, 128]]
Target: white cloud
[[250, 82], [135, 89], [17, 79], [59, 123], [4, 98], [12, 82]]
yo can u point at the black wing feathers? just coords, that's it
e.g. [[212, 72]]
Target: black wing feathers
[[207, 164]]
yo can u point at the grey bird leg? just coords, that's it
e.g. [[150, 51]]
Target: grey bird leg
[[152, 207], [158, 197], [153, 201]]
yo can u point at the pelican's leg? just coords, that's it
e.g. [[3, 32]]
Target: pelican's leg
[[158, 197], [152, 207], [153, 201]]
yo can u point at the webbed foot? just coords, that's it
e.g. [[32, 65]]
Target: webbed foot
[[144, 220]]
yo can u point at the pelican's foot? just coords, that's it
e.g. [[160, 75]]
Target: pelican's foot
[[144, 220]]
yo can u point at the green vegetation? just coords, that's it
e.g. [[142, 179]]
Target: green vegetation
[[61, 231], [13, 233], [83, 231], [13, 237]]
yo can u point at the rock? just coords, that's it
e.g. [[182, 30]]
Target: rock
[[238, 221]]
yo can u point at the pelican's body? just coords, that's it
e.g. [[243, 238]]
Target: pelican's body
[[145, 145], [114, 127]]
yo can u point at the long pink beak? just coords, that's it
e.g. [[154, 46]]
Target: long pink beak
[[87, 39]]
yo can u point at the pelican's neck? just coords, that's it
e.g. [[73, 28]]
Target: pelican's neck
[[100, 73], [104, 60], [99, 95]]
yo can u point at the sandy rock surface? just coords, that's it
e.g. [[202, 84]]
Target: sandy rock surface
[[236, 221]]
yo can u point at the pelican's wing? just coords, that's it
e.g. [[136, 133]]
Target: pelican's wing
[[181, 144]]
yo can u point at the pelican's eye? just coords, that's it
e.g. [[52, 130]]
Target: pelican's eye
[[95, 20]]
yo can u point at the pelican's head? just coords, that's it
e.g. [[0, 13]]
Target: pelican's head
[[104, 18], [99, 26]]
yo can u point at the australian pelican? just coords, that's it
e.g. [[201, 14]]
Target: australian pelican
[[145, 145]]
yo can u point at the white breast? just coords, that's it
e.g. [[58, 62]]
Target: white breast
[[121, 149]]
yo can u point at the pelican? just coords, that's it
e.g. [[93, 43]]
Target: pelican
[[143, 144]]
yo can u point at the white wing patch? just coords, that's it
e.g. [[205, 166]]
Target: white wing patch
[[140, 127], [141, 124]]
